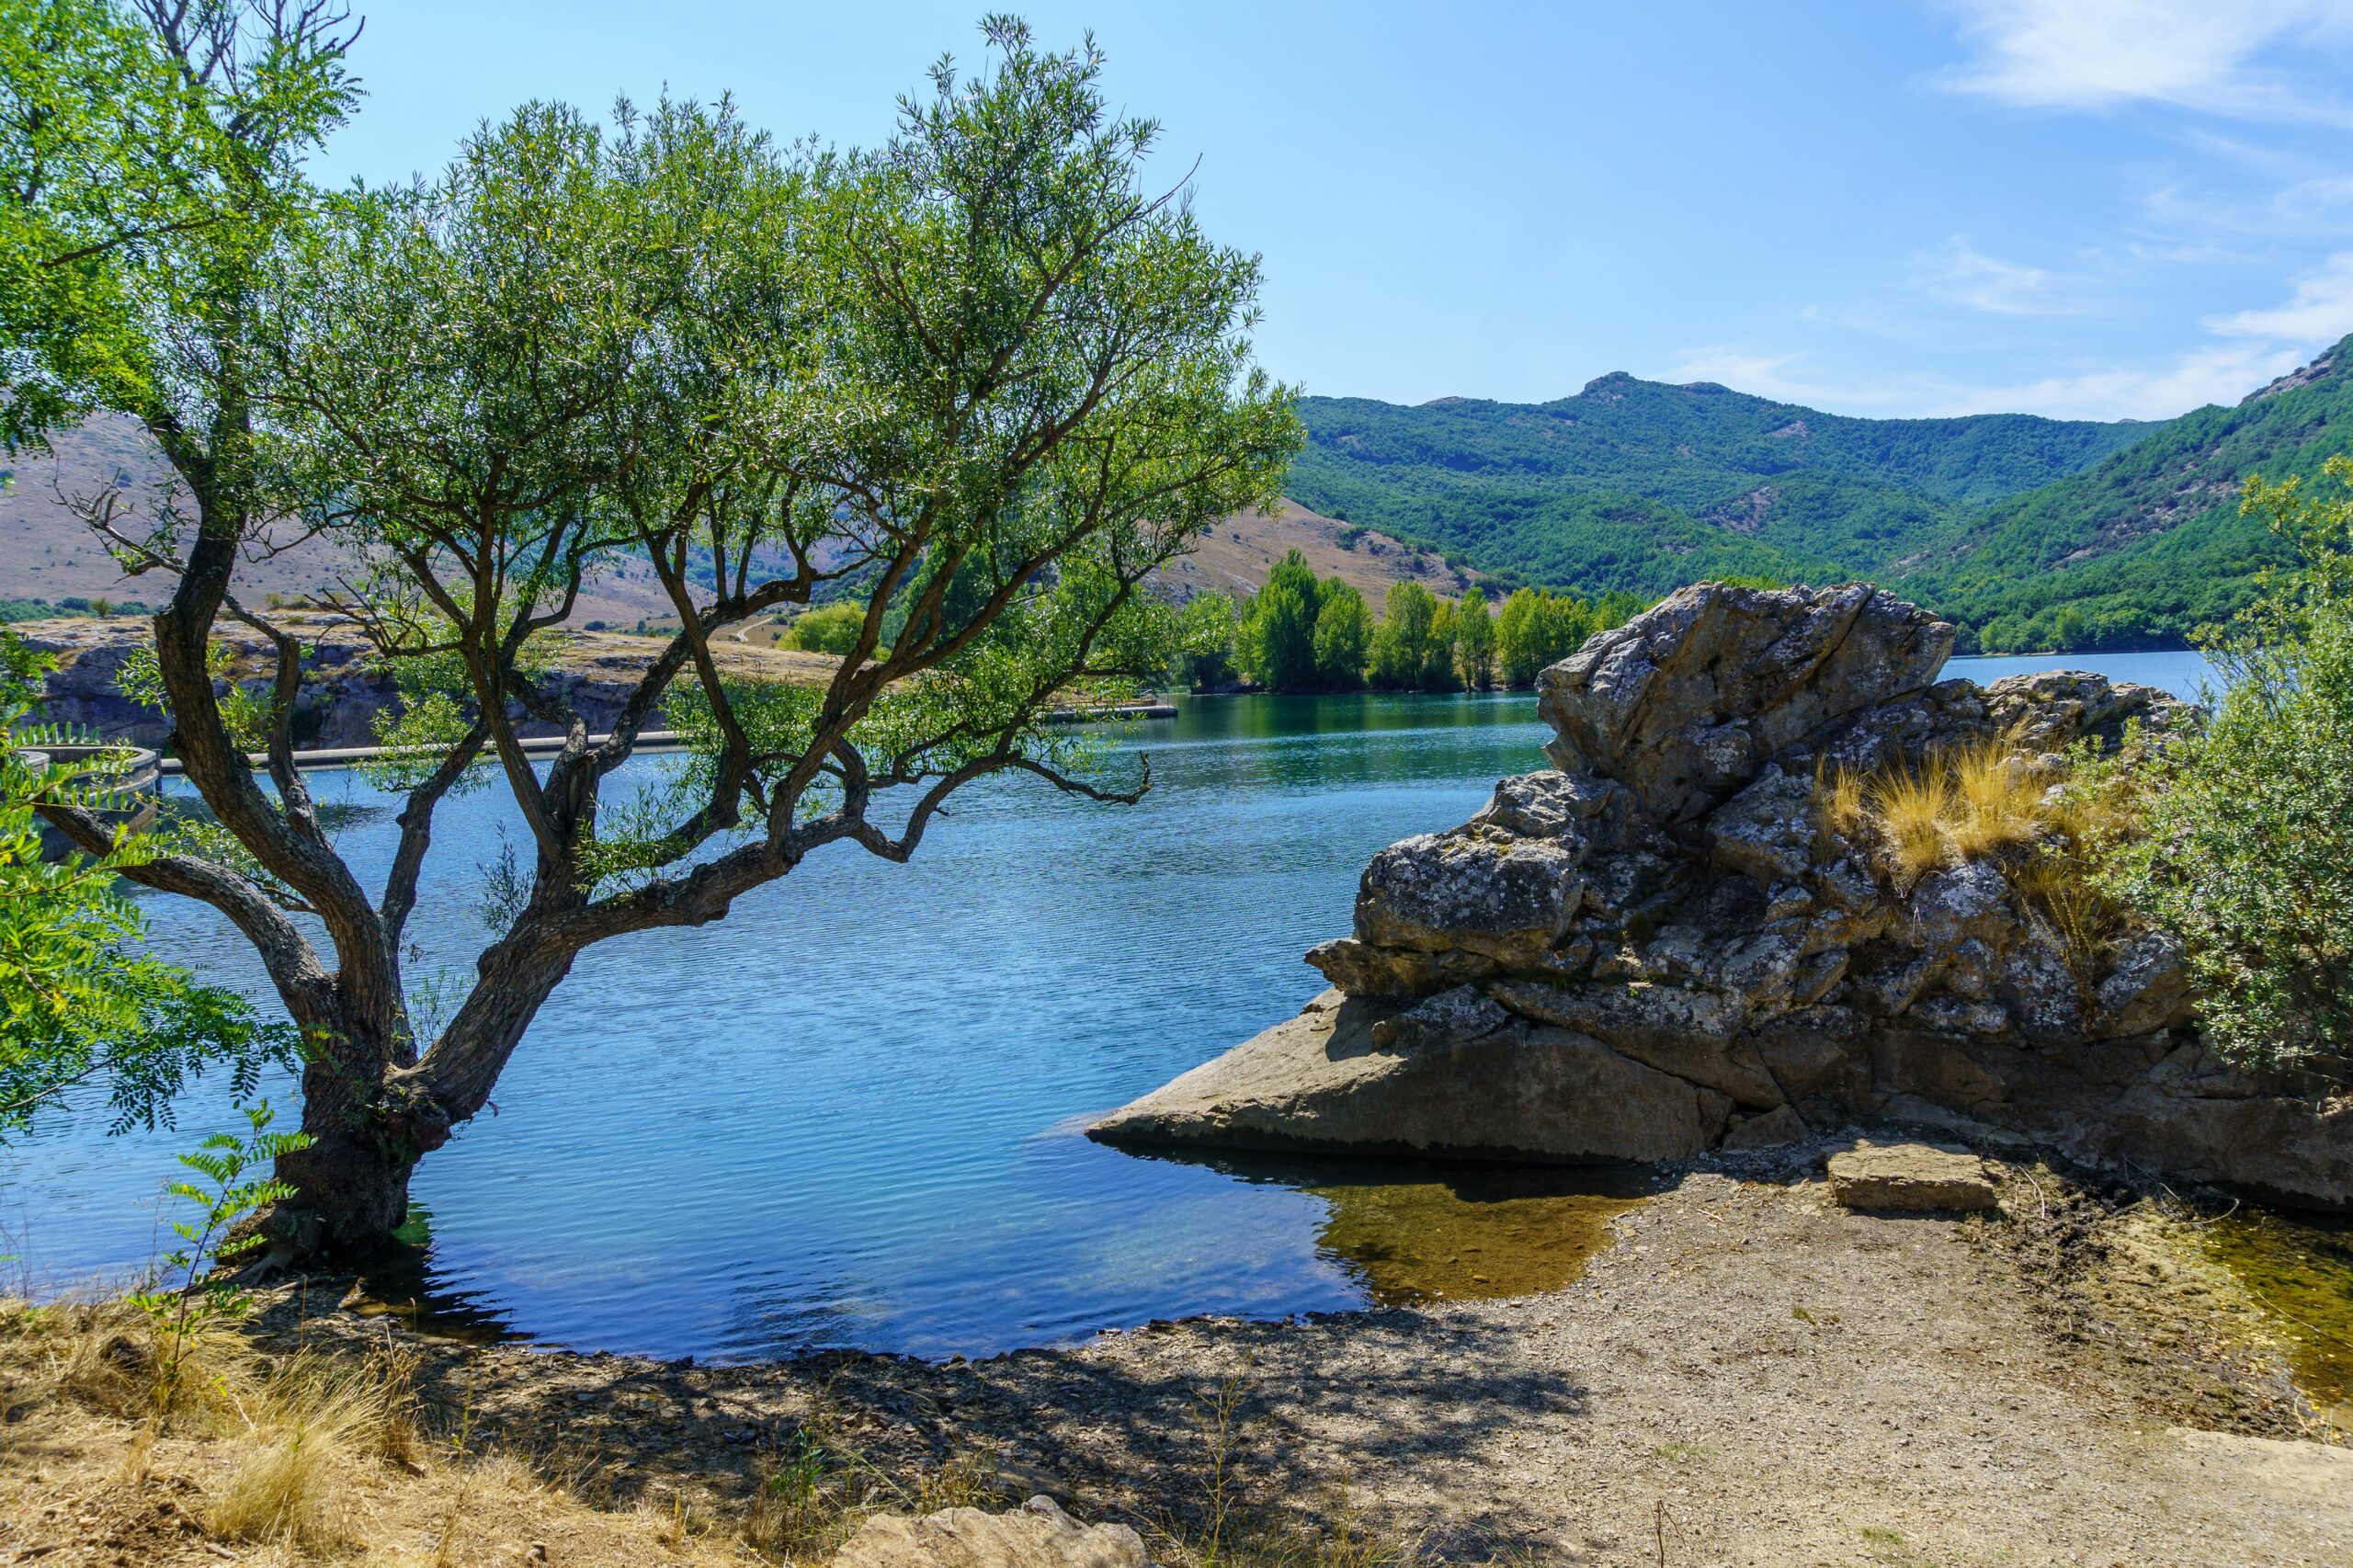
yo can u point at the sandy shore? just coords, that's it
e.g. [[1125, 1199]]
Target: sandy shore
[[1749, 1375]]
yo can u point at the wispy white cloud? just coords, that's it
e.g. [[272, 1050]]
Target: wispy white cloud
[[2229, 79], [1870, 320], [2178, 222], [2244, 349], [2320, 310], [2160, 389], [2219, 373], [1961, 275], [2220, 57]]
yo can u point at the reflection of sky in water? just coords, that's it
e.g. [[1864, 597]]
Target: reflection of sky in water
[[845, 1115]]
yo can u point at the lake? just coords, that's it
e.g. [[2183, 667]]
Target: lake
[[848, 1115]]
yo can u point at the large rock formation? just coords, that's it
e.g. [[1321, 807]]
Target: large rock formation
[[1664, 945]]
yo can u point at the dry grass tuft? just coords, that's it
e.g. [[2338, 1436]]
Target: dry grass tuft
[[273, 1459], [1839, 805], [110, 1358], [1979, 801], [399, 1433], [2048, 835], [105, 1358], [1998, 802], [1912, 810], [677, 1522], [313, 1422]]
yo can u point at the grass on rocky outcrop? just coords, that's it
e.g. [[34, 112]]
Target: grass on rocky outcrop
[[2049, 834], [1956, 805]]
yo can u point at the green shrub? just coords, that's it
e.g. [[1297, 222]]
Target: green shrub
[[831, 629], [188, 1296], [2249, 850]]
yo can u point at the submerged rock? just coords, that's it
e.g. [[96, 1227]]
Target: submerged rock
[[1667, 943]]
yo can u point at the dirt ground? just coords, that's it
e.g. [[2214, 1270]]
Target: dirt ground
[[1749, 1375]]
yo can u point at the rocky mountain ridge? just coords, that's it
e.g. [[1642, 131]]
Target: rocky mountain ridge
[[2031, 533]]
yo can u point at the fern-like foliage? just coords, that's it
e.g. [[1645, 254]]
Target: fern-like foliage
[[187, 1293], [81, 1000]]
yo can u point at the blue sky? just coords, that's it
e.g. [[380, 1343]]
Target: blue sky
[[2091, 208]]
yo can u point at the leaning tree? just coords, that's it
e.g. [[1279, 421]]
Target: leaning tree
[[981, 382]]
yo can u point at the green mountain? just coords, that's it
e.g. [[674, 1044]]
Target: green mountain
[[2034, 533], [1638, 485], [2148, 545]]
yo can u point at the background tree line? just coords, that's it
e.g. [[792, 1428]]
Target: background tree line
[[1302, 633]]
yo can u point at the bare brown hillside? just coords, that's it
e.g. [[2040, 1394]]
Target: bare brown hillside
[[1236, 555], [46, 552]]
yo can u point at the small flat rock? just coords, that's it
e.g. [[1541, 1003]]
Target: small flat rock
[[1036, 1535], [1910, 1176]]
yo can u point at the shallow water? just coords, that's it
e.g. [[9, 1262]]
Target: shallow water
[[1467, 1232], [2300, 1271], [847, 1114]]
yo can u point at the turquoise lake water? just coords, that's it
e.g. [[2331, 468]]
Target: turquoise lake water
[[847, 1115]]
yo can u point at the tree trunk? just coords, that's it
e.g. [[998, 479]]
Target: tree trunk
[[368, 1131], [351, 1194]]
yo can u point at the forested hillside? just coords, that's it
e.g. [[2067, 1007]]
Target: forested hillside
[[1638, 485], [2149, 545], [2034, 533]]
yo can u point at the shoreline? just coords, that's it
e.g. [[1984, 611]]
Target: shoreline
[[1812, 1374], [1747, 1372]]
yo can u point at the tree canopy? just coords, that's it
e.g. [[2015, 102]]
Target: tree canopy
[[982, 380], [2246, 846]]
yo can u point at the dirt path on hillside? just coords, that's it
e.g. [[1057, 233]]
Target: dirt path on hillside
[[1750, 1375]]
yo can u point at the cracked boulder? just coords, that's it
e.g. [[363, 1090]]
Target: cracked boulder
[[1478, 889], [1683, 705]]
